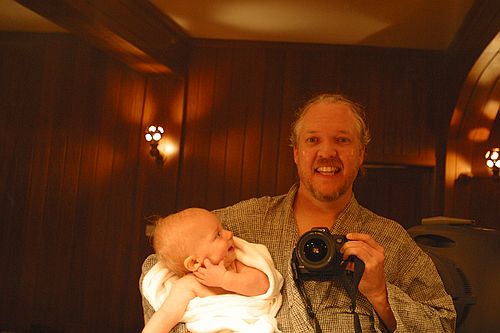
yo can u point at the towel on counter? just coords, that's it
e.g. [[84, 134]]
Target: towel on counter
[[242, 314]]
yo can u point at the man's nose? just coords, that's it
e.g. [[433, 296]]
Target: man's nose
[[327, 150]]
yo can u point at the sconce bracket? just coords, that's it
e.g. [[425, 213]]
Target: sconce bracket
[[155, 153]]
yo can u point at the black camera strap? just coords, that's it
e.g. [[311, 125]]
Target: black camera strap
[[310, 312], [350, 279]]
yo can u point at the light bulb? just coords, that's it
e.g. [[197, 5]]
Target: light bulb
[[157, 136]]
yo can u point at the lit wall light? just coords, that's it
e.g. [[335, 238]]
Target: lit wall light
[[493, 161], [492, 158], [153, 136]]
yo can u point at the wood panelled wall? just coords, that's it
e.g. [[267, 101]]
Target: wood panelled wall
[[242, 96], [73, 174], [472, 85], [474, 129], [77, 182]]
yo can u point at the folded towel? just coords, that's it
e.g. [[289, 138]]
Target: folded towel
[[242, 314]]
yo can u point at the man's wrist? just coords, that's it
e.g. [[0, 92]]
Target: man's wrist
[[381, 298], [382, 307]]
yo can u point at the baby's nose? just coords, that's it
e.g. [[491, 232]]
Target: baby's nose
[[229, 234]]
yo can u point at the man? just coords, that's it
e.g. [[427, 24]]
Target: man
[[400, 287]]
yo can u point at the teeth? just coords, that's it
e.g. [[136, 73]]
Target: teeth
[[327, 169]]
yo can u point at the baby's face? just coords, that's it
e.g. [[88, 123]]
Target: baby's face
[[211, 240]]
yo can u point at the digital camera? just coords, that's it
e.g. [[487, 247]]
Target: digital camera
[[317, 255]]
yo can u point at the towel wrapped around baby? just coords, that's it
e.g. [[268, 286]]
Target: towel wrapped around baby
[[237, 313]]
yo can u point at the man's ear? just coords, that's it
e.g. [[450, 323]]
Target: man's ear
[[362, 153], [192, 264]]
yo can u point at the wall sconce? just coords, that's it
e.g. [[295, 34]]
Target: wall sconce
[[493, 161], [153, 136], [492, 158]]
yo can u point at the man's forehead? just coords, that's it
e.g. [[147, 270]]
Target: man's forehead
[[333, 107], [318, 120]]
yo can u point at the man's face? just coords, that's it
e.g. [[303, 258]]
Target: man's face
[[328, 152]]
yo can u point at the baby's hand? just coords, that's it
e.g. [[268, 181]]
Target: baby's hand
[[211, 275]]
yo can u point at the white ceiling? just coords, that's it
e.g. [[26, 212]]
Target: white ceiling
[[421, 24]]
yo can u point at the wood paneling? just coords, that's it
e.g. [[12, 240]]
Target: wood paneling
[[478, 30], [77, 183], [402, 193], [396, 82], [473, 119], [73, 165], [477, 199], [242, 97]]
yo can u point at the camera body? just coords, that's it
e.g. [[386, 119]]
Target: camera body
[[317, 255]]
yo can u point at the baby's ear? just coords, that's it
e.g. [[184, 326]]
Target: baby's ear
[[192, 264]]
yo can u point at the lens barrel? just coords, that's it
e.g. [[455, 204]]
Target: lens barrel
[[317, 256], [316, 250]]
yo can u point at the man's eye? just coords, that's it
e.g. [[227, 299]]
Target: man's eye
[[312, 139], [343, 139]]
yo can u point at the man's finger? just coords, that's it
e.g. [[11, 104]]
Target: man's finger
[[355, 236]]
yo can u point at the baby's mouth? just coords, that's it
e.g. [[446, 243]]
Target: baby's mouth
[[327, 170]]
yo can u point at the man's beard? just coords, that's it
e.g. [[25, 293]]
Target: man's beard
[[329, 197]]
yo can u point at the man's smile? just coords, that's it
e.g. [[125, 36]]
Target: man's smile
[[327, 170]]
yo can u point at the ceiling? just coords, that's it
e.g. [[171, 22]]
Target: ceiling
[[15, 17], [420, 24]]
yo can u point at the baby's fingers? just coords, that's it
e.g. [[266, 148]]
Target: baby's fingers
[[200, 277], [207, 263]]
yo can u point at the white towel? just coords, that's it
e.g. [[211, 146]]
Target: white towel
[[241, 314]]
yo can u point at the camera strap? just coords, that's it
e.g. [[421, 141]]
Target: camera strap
[[351, 279], [310, 312]]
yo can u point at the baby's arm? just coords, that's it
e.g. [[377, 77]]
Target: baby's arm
[[173, 308], [247, 281]]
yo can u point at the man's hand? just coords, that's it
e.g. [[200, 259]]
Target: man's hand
[[211, 275], [364, 247], [373, 284]]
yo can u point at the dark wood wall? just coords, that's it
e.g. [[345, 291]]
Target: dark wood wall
[[74, 185], [77, 183], [473, 88], [242, 97], [475, 129]]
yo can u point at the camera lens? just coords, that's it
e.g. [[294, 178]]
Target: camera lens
[[315, 249]]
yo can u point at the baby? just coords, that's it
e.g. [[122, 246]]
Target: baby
[[193, 245]]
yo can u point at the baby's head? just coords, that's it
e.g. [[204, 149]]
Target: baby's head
[[183, 240]]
